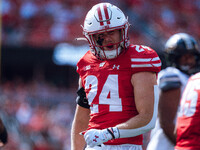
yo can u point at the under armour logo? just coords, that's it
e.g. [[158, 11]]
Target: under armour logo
[[95, 138], [102, 64], [88, 67], [116, 66]]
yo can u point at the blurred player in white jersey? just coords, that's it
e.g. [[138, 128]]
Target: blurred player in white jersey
[[182, 54], [118, 94], [188, 121]]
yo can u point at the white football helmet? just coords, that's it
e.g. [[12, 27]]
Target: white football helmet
[[105, 17]]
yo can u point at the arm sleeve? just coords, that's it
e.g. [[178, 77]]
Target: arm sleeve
[[81, 99], [124, 133], [169, 81]]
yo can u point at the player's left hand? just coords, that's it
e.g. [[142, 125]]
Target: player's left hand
[[96, 137]]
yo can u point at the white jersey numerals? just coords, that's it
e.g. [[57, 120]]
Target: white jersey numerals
[[140, 48], [91, 82], [109, 94], [189, 99]]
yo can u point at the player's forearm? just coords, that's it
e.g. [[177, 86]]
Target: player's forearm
[[144, 121], [167, 117], [77, 140], [79, 124], [136, 126], [135, 122], [168, 129], [78, 143], [169, 132]]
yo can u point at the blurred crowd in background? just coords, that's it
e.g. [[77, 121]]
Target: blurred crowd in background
[[38, 114], [47, 22]]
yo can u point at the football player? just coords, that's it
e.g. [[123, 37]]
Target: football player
[[188, 121], [182, 55], [118, 95]]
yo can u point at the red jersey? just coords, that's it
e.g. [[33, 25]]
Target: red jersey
[[188, 122], [108, 87]]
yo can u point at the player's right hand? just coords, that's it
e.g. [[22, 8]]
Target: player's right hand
[[96, 137]]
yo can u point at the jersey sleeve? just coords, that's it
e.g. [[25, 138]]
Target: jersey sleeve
[[144, 58], [79, 67], [82, 62], [169, 81]]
